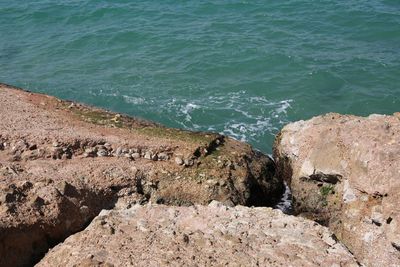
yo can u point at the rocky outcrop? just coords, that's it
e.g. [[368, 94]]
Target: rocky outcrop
[[62, 162], [214, 235], [344, 172]]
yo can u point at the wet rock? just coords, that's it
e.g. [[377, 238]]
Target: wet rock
[[343, 172], [213, 235]]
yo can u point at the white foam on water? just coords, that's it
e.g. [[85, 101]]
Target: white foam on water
[[239, 115], [133, 99], [187, 109], [236, 114], [285, 204]]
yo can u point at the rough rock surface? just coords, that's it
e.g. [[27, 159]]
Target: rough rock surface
[[214, 235], [344, 171], [61, 163]]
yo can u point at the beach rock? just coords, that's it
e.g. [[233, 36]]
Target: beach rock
[[214, 235], [67, 194], [344, 172]]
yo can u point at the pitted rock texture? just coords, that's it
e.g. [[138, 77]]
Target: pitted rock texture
[[344, 172], [62, 162], [214, 235]]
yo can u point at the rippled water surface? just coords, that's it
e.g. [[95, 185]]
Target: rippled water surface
[[243, 68]]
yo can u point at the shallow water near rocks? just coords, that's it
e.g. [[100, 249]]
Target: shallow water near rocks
[[242, 68], [285, 204]]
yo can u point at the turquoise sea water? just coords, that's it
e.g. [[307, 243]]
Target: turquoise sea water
[[243, 68]]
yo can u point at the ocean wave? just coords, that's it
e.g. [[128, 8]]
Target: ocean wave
[[253, 119]]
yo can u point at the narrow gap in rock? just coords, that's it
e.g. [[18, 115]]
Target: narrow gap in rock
[[285, 203]]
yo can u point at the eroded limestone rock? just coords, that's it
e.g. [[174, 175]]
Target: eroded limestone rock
[[214, 235], [344, 172], [80, 160]]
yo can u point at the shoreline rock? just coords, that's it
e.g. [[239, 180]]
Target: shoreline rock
[[62, 163], [344, 172], [79, 160]]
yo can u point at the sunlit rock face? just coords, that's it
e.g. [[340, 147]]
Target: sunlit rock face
[[213, 235], [344, 172]]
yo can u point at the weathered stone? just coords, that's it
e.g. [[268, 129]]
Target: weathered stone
[[344, 172], [163, 156], [102, 153], [32, 147], [118, 152], [19, 146], [90, 152], [154, 156], [213, 235], [128, 156], [179, 160], [56, 144], [135, 155], [148, 155], [37, 202], [98, 183], [189, 162], [107, 145], [57, 153], [65, 188]]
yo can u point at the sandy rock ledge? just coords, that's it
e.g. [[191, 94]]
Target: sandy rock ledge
[[61, 163], [214, 235]]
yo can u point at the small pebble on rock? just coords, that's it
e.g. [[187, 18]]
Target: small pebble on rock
[[163, 156], [118, 151], [135, 155], [154, 157], [102, 153], [178, 161], [147, 155], [189, 162]]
